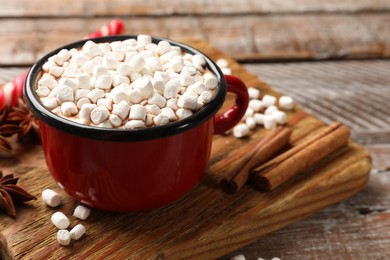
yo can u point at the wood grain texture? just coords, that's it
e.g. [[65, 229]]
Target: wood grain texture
[[245, 37], [182, 7], [206, 223]]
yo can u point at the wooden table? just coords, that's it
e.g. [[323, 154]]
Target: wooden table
[[326, 35]]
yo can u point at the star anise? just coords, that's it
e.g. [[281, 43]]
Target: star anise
[[10, 193]]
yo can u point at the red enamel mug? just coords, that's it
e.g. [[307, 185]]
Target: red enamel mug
[[132, 170]]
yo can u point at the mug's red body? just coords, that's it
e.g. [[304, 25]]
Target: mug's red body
[[127, 176]]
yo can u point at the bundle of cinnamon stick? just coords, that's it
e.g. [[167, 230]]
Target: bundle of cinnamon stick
[[265, 174]]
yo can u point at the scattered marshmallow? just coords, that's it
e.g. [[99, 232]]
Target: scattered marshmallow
[[240, 130], [238, 257], [60, 220], [51, 198], [77, 232], [269, 110], [269, 122], [268, 100], [81, 212], [286, 102], [256, 105], [253, 93], [63, 237], [280, 117], [250, 122]]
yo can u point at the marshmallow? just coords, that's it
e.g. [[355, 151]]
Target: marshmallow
[[89, 66], [123, 69], [80, 93], [51, 198], [286, 102], [186, 80], [159, 86], [182, 113], [48, 81], [158, 100], [58, 60], [47, 65], [43, 91], [144, 86], [172, 103], [250, 122], [168, 56], [153, 64], [269, 122], [56, 71], [80, 59], [99, 114], [188, 70], [83, 81], [222, 63], [70, 72], [268, 100], [259, 118], [63, 237], [210, 81], [169, 113], [226, 71], [116, 45], [83, 101], [137, 112], [85, 112], [198, 61], [270, 110], [205, 97], [248, 113], [137, 63], [81, 212], [198, 88], [163, 47], [149, 120], [95, 94], [50, 103], [135, 96], [153, 109], [93, 51], [69, 108], [187, 101], [238, 257], [103, 82], [98, 71], [161, 120], [255, 104], [64, 93], [60, 220], [253, 93], [134, 124], [105, 47], [64, 54], [115, 120], [119, 96], [172, 88], [122, 109], [72, 83], [110, 63], [143, 39], [77, 232], [240, 130], [161, 75], [280, 117], [105, 102]]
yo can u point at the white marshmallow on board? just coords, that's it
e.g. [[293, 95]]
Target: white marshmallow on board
[[226, 71], [270, 110], [122, 109], [238, 257], [222, 63], [182, 113], [137, 112], [60, 220], [253, 93], [160, 120], [259, 118], [280, 117], [135, 124], [51, 198], [250, 122], [63, 237], [268, 100], [240, 130], [81, 212], [248, 113], [255, 104], [99, 114], [85, 112], [269, 122], [286, 102], [77, 232]]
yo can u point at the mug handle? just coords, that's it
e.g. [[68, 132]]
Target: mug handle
[[231, 117]]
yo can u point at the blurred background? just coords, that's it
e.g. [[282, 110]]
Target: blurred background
[[331, 56]]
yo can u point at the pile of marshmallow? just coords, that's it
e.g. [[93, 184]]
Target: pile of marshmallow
[[271, 116], [59, 219], [126, 84]]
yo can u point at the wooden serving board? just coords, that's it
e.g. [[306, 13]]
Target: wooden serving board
[[204, 224]]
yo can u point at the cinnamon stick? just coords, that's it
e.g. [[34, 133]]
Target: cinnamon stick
[[263, 151], [287, 165]]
